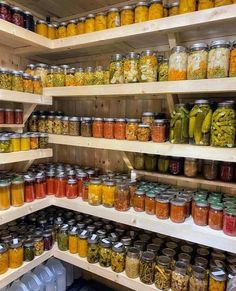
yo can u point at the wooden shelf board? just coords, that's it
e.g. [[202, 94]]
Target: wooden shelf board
[[166, 149], [7, 158], [228, 188], [12, 125]]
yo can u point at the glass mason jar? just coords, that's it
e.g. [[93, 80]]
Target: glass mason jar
[[57, 124], [74, 126], [105, 253], [229, 222], [132, 263], [65, 125], [58, 77], [162, 207], [226, 172], [82, 180], [201, 212], [95, 192], [232, 66], [100, 21], [17, 16], [70, 77], [93, 249], [63, 238], [163, 164], [109, 128], [187, 6], [180, 279], [131, 129], [9, 116], [90, 23], [38, 245], [143, 132], [5, 11], [179, 124], [15, 142], [99, 76], [150, 203], [30, 69], [25, 142], [139, 161], [42, 27], [217, 279], [16, 254], [86, 127], [4, 194], [178, 210], [139, 201], [71, 28], [174, 8], [5, 144], [190, 167], [113, 18], [197, 61], [131, 68], [41, 70], [116, 69], [17, 191], [42, 123], [50, 182], [218, 59], [118, 258], [150, 163], [127, 15], [148, 66], [218, 3], [120, 128], [163, 70], [223, 116], [98, 127], [147, 268], [210, 169], [159, 131], [71, 189], [79, 77], [205, 4], [28, 86], [18, 116], [122, 197], [4, 260], [5, 79], [141, 12], [60, 185], [178, 64], [29, 191], [49, 77], [155, 9], [176, 166], [81, 25], [215, 218], [200, 123], [83, 243], [108, 193], [163, 273], [43, 140], [148, 118], [17, 81], [52, 31], [198, 279], [61, 31], [88, 76]]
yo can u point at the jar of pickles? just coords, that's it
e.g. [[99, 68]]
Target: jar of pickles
[[197, 61], [105, 253], [98, 76], [15, 253], [163, 164], [95, 192], [79, 77], [148, 67], [113, 18], [58, 77], [63, 238], [163, 70], [122, 197], [83, 243], [155, 9], [178, 64], [116, 69], [118, 258], [43, 140], [4, 194], [179, 124], [163, 273], [5, 79], [139, 161], [93, 249], [127, 15], [49, 77], [218, 59], [74, 126], [108, 193], [141, 12], [150, 163], [42, 123], [90, 23], [217, 279], [147, 268], [28, 86], [88, 76], [131, 68], [131, 129], [17, 81]]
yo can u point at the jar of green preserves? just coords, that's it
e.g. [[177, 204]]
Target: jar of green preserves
[[163, 164], [150, 163], [93, 249], [179, 124], [139, 161], [58, 77], [163, 70], [63, 238], [5, 79], [5, 144], [29, 251], [17, 81], [88, 76], [105, 253], [98, 76], [118, 257]]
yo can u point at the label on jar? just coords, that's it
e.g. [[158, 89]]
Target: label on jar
[[83, 232], [218, 273], [15, 241], [118, 245], [64, 226], [105, 241], [93, 237], [74, 228], [113, 234], [1, 247]]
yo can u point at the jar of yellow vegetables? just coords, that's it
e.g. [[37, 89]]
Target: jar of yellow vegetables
[[141, 12], [15, 142], [217, 279], [3, 258], [205, 4], [174, 8], [17, 191], [42, 27], [155, 9], [108, 193], [62, 32], [52, 31], [73, 240], [223, 2], [79, 77], [71, 28], [113, 18], [15, 253], [100, 21], [127, 15], [4, 194], [25, 142], [95, 192], [83, 243], [81, 25], [186, 6], [90, 23]]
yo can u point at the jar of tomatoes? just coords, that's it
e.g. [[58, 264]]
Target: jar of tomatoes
[[122, 197], [108, 129], [139, 201], [98, 127], [120, 127], [72, 189], [29, 189], [159, 131], [60, 185], [40, 189], [162, 207], [178, 210], [229, 222], [201, 212], [215, 219], [150, 203]]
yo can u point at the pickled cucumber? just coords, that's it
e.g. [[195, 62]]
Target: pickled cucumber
[[179, 124]]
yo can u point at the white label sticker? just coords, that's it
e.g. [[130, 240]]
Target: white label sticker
[[118, 245], [83, 232], [15, 240], [74, 228], [218, 273], [93, 237], [113, 234], [230, 276], [106, 241], [1, 247], [64, 226]]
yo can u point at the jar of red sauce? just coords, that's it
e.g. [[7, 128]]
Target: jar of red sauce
[[188, 198], [178, 210], [98, 127], [139, 201], [9, 116], [17, 16], [120, 126], [215, 218], [2, 117], [162, 207], [122, 197], [201, 212], [82, 177], [150, 203], [71, 189], [176, 166], [226, 171], [229, 222], [5, 11], [109, 125], [50, 180], [29, 188], [60, 185], [159, 131], [40, 189], [18, 116]]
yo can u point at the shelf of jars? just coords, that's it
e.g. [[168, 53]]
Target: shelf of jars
[[120, 278], [14, 157], [13, 274], [196, 183], [187, 230], [165, 149]]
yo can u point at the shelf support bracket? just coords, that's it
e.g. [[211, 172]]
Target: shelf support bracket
[[171, 99], [127, 161], [173, 39], [23, 166], [28, 109]]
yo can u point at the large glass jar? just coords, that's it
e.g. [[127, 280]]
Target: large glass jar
[[50, 123], [42, 27], [180, 279], [201, 211], [155, 9], [41, 70], [179, 124], [159, 131], [90, 23], [226, 172], [210, 169], [163, 164], [86, 127], [150, 203], [88, 76], [178, 210], [150, 163], [186, 6], [139, 161], [113, 18], [223, 126], [5, 11], [176, 166], [141, 12], [4, 260], [5, 79], [5, 144], [105, 253], [218, 59], [232, 67], [198, 279], [132, 263], [162, 207], [93, 249], [74, 126], [178, 64], [143, 132], [58, 77], [108, 193], [98, 76], [127, 15], [17, 81], [131, 68], [131, 129], [28, 86], [70, 77], [147, 268], [120, 128], [95, 192], [229, 222], [118, 258], [109, 128], [63, 238], [98, 127], [71, 28], [163, 273], [15, 142], [116, 69], [15, 254], [148, 67], [4, 194], [79, 77], [217, 279], [100, 21], [197, 61], [61, 31], [17, 191], [215, 219], [190, 167], [122, 197]]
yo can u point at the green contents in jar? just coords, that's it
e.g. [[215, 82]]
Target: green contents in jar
[[117, 69], [93, 249], [163, 164], [163, 273], [99, 75], [29, 251], [147, 267], [5, 79], [163, 70], [139, 161], [62, 238], [5, 144], [58, 77], [179, 124], [79, 77], [57, 125], [43, 141], [105, 253], [118, 258], [150, 162]]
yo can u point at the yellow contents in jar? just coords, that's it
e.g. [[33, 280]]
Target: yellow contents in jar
[[52, 31], [15, 257], [141, 13], [90, 23], [4, 262], [25, 143], [71, 28], [4, 195], [79, 77], [113, 18], [95, 193], [42, 28], [17, 194], [174, 9], [205, 4], [127, 15], [82, 247], [216, 285], [155, 10], [100, 21], [186, 6], [108, 194], [81, 25], [73, 243], [222, 2], [15, 143], [62, 30]]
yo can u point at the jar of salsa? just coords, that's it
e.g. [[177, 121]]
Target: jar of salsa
[[201, 213], [178, 210], [109, 128], [18, 116], [150, 203], [162, 207], [122, 197], [98, 127], [215, 219], [60, 185], [29, 190], [119, 129], [229, 222], [159, 131], [40, 189], [139, 201], [176, 166], [226, 171]]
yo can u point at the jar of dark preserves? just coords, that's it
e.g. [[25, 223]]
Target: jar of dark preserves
[[9, 116], [226, 171], [176, 166], [17, 16], [5, 11], [210, 169], [86, 127], [18, 116], [28, 21]]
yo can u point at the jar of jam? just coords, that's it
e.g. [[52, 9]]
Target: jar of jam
[[18, 116], [226, 171], [17, 16], [210, 169], [215, 219], [159, 131], [108, 129], [162, 207], [229, 222], [40, 187], [150, 203], [98, 127], [86, 127], [176, 166], [201, 213], [29, 190], [122, 197], [119, 129], [5, 11], [139, 201], [60, 185], [9, 116], [178, 210], [71, 189]]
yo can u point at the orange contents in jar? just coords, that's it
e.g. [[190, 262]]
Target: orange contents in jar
[[177, 210], [162, 207], [232, 66], [50, 186], [159, 131], [60, 185], [215, 219], [40, 189], [29, 191], [98, 127], [139, 201], [150, 203], [72, 189], [201, 213], [120, 126], [81, 179], [109, 128]]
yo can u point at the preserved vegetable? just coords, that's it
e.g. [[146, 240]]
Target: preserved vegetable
[[141, 12], [143, 132], [116, 69], [232, 66], [163, 70], [5, 79], [62, 30], [74, 126], [178, 210], [105, 253], [93, 249], [159, 131], [205, 4], [95, 192], [58, 77], [17, 191], [217, 279], [98, 76], [113, 18], [197, 61], [120, 128], [139, 201], [162, 207], [229, 222], [71, 28], [190, 167], [131, 68], [179, 124], [163, 273], [108, 193], [70, 78], [38, 245], [155, 9], [226, 171], [86, 127], [81, 25], [131, 129], [122, 197], [100, 21], [147, 268], [174, 8], [139, 161], [109, 128], [178, 64], [180, 279], [90, 23], [37, 85], [215, 219], [98, 127], [52, 31], [198, 281], [201, 211], [88, 76], [186, 6], [132, 263], [118, 258], [210, 169], [83, 243], [17, 81], [150, 203], [222, 2], [79, 77], [127, 15], [148, 67], [15, 254]]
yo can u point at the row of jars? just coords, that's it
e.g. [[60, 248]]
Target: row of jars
[[11, 116], [189, 167], [20, 81], [15, 142], [126, 15]]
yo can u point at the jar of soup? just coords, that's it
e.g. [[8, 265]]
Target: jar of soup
[[108, 129], [178, 210], [141, 12], [197, 61], [229, 222], [143, 132], [217, 279], [155, 9], [163, 273], [113, 18], [100, 21], [60, 185], [226, 171], [127, 15], [98, 127], [108, 193], [131, 68], [86, 127], [42, 27], [120, 128], [17, 191], [17, 81], [4, 261], [25, 142], [74, 126], [15, 253], [118, 258], [158, 131], [71, 28], [147, 268], [180, 279], [90, 23], [215, 218], [187, 6], [122, 197], [201, 213], [131, 129], [95, 192], [4, 194], [116, 69], [174, 8], [148, 66], [178, 64], [81, 25]]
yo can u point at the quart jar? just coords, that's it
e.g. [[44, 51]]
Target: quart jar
[[29, 191], [4, 261], [58, 77], [159, 131], [116, 69], [120, 128], [215, 218], [155, 9], [190, 167], [43, 140], [100, 21], [131, 129], [150, 163], [50, 182], [139, 201], [79, 77], [218, 59], [17, 81], [18, 116], [70, 77], [147, 268], [131, 68], [93, 249], [108, 193], [38, 245], [25, 142], [17, 191], [148, 66], [105, 253], [132, 263], [4, 194], [98, 127], [83, 243], [163, 273], [162, 207], [178, 210], [42, 27], [40, 186], [5, 11], [34, 141], [109, 128], [9, 116], [122, 197], [143, 132], [150, 203], [15, 253], [176, 166], [141, 12], [148, 118], [88, 76], [71, 189], [139, 161], [28, 86], [5, 145], [74, 126], [210, 169], [52, 31], [163, 70], [201, 211], [178, 64], [232, 66], [65, 125], [61, 31], [198, 279], [179, 124], [60, 185], [95, 192], [127, 15], [5, 79], [205, 4], [174, 8], [217, 279], [226, 172], [86, 127], [41, 70], [71, 28], [63, 238], [90, 23], [180, 279], [42, 123], [163, 164], [187, 6], [229, 222], [113, 18], [197, 61], [98, 76], [224, 114], [118, 258], [49, 77], [81, 25]]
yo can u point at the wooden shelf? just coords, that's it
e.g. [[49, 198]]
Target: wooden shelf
[[166, 149], [186, 231], [7, 158], [120, 278], [13, 274], [12, 125], [195, 183]]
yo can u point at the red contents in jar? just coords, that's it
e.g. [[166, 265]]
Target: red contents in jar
[[29, 191], [50, 185], [229, 222], [226, 171], [9, 116], [2, 118], [177, 210], [176, 166], [40, 189], [215, 219], [81, 178], [60, 186], [150, 204], [17, 17], [201, 211], [120, 127], [85, 191], [18, 116], [5, 12], [139, 201], [109, 128], [71, 189], [159, 131], [97, 128]]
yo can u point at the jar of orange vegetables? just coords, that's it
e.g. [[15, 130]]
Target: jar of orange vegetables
[[100, 21], [205, 4], [177, 210], [113, 18], [4, 194], [155, 9], [108, 193], [178, 64], [81, 25], [15, 253], [90, 23], [17, 191], [186, 6], [127, 15], [95, 192], [141, 12], [120, 126]]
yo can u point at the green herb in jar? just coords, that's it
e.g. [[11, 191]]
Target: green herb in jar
[[105, 253], [118, 258], [93, 249]]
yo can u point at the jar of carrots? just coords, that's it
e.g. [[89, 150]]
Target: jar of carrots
[[29, 190], [60, 185], [98, 127], [120, 128], [109, 128]]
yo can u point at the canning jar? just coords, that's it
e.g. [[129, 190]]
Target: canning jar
[[70, 77], [178, 210], [163, 164], [5, 79], [64, 125], [215, 219], [30, 69], [63, 238], [148, 66], [74, 126], [38, 245], [98, 76], [4, 194], [108, 129], [122, 197], [229, 222], [5, 144], [150, 163], [25, 142], [198, 279], [52, 31], [143, 132], [139, 161], [100, 21], [93, 249], [205, 4], [197, 61], [88, 76], [42, 27], [81, 25], [159, 131], [174, 8], [179, 124], [17, 191], [147, 268], [163, 70], [217, 279], [49, 77], [127, 15], [176, 166], [50, 123], [17, 81], [28, 86], [105, 253], [162, 207], [155, 9], [83, 243], [18, 116], [79, 77], [95, 192], [218, 59], [210, 169], [29, 191], [141, 12], [42, 123], [201, 211], [28, 250], [178, 64], [82, 179], [222, 2], [29, 21], [17, 16], [108, 193], [15, 253], [48, 240], [187, 6], [132, 263], [150, 203], [9, 116], [131, 129], [116, 69], [2, 116], [190, 167], [226, 171], [223, 126], [139, 201], [41, 70], [180, 279], [232, 66], [60, 185], [118, 255], [34, 141], [148, 118], [86, 127], [58, 77], [50, 182], [131, 68], [90, 23], [163, 273], [98, 127], [43, 140], [4, 260], [71, 189], [113, 18], [40, 186], [62, 31], [71, 28], [5, 11], [120, 128]]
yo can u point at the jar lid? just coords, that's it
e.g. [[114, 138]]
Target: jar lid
[[109, 119], [201, 101], [133, 120], [155, 1], [174, 4], [169, 252], [105, 242], [15, 243], [117, 57], [163, 199], [4, 138], [74, 118], [93, 239], [225, 104], [15, 8], [200, 261], [178, 49], [15, 135], [186, 249], [127, 7], [90, 16], [41, 65], [120, 119], [63, 23], [140, 192], [219, 43], [71, 181], [113, 9], [9, 110], [101, 14], [148, 114], [198, 46], [3, 248], [38, 238], [178, 201], [86, 119], [153, 248], [40, 21], [118, 247], [151, 194], [96, 181], [43, 135], [218, 274], [148, 256], [202, 203], [109, 183], [4, 71], [72, 21], [132, 251], [141, 3], [217, 206], [18, 110], [126, 241], [142, 125], [47, 233], [98, 119], [159, 121], [164, 261], [183, 257], [113, 237]]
